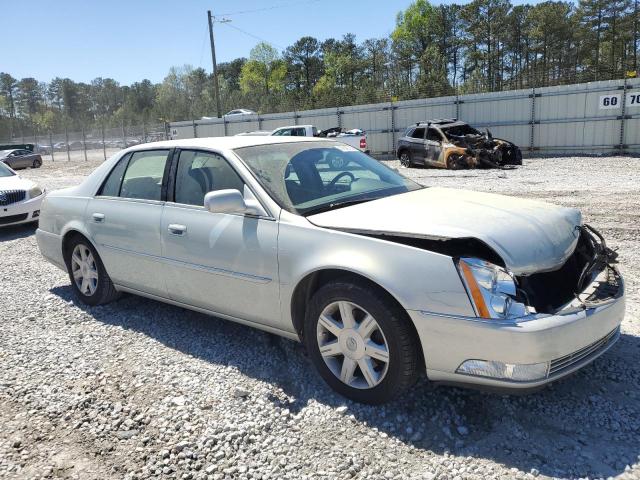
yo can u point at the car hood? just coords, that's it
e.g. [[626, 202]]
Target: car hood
[[530, 236], [15, 183]]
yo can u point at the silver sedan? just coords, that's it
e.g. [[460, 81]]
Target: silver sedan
[[381, 278]]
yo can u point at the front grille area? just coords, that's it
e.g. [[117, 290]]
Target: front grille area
[[7, 197], [563, 363], [13, 218]]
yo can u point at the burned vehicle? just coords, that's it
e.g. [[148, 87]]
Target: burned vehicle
[[453, 144]]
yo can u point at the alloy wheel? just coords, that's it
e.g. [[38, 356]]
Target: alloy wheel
[[84, 270], [405, 161], [352, 345]]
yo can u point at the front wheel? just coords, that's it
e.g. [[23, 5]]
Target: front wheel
[[361, 342], [37, 163], [455, 162], [89, 279]]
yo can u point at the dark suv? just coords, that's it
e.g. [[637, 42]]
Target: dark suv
[[450, 143]]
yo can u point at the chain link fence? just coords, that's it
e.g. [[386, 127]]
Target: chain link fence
[[90, 143]]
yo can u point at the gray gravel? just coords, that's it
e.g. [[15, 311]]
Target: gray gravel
[[138, 389]]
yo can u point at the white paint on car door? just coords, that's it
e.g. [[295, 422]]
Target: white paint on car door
[[226, 263], [124, 222], [222, 262]]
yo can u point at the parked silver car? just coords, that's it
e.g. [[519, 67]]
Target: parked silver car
[[380, 277]]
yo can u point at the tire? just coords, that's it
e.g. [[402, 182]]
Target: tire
[[392, 335], [454, 162], [98, 290], [405, 159], [518, 156], [37, 163]]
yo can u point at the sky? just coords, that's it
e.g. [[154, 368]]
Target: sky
[[136, 39]]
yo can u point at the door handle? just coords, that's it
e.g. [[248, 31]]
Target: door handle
[[98, 217], [176, 229]]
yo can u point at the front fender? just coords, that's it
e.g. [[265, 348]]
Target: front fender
[[418, 279]]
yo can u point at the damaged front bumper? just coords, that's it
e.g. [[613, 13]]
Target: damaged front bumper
[[484, 154], [527, 352]]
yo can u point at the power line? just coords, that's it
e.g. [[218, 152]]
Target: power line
[[273, 7], [254, 36]]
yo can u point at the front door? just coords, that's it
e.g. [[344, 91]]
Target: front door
[[225, 263], [124, 221], [434, 145]]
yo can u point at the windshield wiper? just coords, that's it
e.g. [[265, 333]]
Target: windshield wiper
[[335, 205]]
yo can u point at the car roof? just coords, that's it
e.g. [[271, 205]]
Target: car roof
[[224, 143], [443, 122], [7, 152], [294, 126]]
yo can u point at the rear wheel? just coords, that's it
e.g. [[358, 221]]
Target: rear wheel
[[89, 279], [361, 343], [405, 159]]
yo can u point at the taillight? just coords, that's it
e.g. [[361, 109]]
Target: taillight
[[363, 143]]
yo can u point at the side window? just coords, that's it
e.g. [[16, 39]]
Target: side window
[[285, 132], [143, 178], [432, 134], [202, 172], [300, 132], [418, 133], [111, 187]]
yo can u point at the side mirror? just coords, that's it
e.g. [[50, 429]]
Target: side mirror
[[231, 201]]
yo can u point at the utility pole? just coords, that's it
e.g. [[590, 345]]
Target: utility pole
[[215, 66]]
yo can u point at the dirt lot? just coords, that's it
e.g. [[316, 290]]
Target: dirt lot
[[138, 389]]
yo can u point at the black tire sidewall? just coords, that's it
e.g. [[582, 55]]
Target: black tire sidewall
[[388, 319], [103, 278]]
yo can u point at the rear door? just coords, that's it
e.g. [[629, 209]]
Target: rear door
[[124, 221], [225, 263]]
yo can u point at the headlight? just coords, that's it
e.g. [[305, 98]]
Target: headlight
[[491, 289], [35, 192]]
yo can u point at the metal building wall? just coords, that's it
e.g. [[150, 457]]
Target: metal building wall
[[586, 118]]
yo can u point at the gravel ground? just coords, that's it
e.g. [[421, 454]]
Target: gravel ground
[[139, 389]]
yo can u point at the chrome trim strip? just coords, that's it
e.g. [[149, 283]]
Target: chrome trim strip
[[194, 266], [493, 321]]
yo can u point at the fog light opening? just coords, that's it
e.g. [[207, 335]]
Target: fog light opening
[[35, 214], [515, 372]]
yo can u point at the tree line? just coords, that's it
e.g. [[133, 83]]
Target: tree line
[[482, 46]]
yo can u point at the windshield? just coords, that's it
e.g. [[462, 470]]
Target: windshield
[[312, 177], [5, 171], [460, 130]]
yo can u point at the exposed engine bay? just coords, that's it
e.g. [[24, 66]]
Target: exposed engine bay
[[481, 150], [591, 264]]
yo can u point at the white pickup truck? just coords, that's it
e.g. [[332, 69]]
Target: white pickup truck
[[356, 138]]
